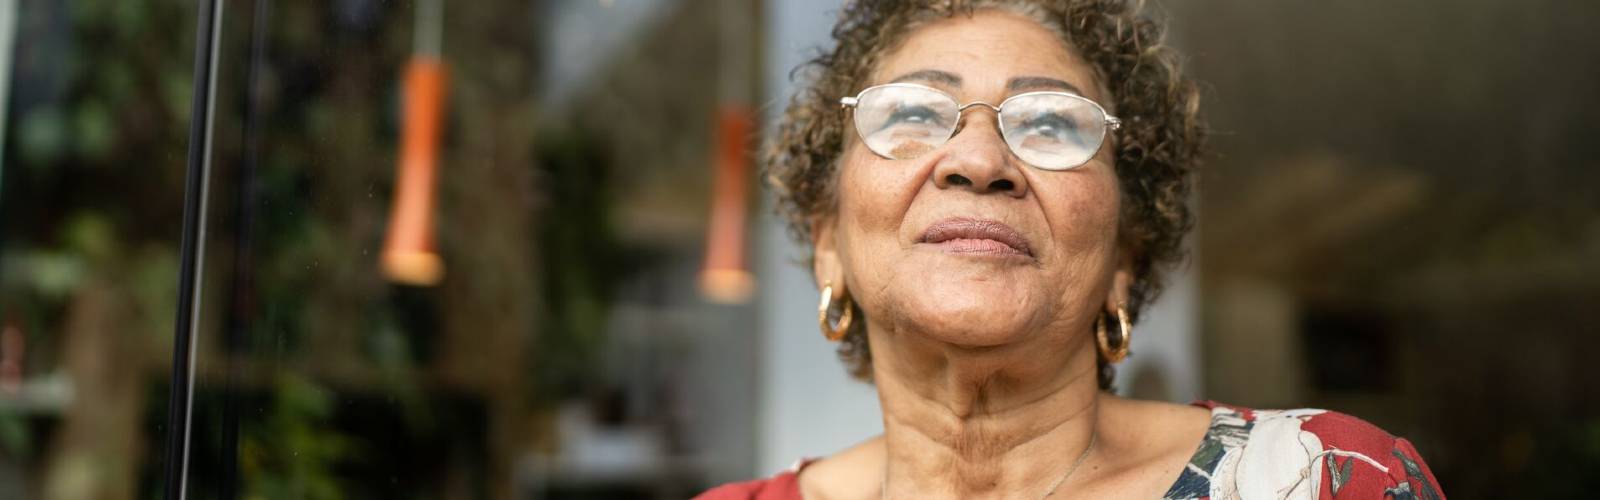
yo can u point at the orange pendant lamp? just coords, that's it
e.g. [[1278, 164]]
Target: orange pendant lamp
[[726, 277], [409, 256]]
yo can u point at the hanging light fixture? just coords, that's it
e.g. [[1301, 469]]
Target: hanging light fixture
[[726, 277], [409, 255]]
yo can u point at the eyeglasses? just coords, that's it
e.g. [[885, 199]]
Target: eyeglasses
[[1049, 130]]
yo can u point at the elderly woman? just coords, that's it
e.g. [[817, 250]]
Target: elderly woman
[[991, 191]]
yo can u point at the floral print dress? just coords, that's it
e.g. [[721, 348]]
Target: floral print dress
[[1247, 454], [1300, 454]]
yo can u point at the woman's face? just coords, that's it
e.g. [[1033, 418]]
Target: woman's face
[[967, 243]]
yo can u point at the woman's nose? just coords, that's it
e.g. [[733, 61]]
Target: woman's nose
[[978, 160]]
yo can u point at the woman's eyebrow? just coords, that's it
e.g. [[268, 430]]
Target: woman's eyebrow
[[1015, 84], [1040, 82], [930, 75]]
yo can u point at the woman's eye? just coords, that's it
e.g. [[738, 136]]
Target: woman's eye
[[1050, 125], [914, 115]]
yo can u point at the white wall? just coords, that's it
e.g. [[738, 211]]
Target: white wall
[[1166, 343], [809, 406]]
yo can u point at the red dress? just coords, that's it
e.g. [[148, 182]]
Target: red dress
[[1250, 454]]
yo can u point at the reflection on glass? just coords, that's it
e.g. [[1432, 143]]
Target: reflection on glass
[[535, 359], [91, 178], [1416, 207]]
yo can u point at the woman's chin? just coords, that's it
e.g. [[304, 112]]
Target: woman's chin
[[982, 315], [977, 337]]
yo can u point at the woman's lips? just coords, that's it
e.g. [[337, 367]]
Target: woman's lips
[[976, 236]]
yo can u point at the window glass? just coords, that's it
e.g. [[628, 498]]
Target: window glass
[[456, 253], [1402, 224], [96, 119]]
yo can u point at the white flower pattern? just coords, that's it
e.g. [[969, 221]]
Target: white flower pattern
[[1278, 461], [1263, 455]]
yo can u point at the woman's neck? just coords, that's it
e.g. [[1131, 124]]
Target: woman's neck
[[1001, 422]]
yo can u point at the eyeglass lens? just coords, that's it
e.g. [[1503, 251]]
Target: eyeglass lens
[[1047, 130]]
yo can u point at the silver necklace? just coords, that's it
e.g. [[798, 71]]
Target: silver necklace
[[884, 491]]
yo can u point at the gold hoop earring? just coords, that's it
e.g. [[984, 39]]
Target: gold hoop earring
[[833, 333], [1114, 353]]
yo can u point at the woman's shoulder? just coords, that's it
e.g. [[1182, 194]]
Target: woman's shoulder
[[1251, 453], [851, 473], [783, 486], [1344, 429]]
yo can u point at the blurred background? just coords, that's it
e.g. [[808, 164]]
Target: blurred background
[[516, 249]]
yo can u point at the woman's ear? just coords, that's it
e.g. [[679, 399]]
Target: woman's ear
[[825, 264], [1121, 282]]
